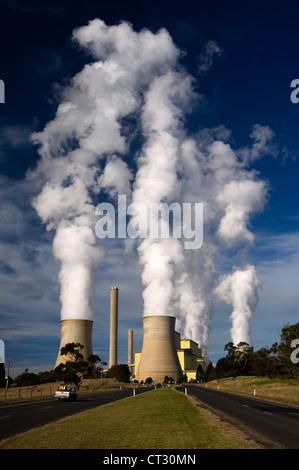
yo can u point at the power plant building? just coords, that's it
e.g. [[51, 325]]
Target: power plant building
[[189, 355], [159, 356], [183, 356], [75, 331], [164, 352]]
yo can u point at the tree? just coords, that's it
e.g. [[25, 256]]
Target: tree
[[25, 379], [230, 348], [281, 352], [73, 370], [70, 372], [261, 362], [243, 358], [168, 380], [223, 369], [199, 373], [209, 374], [72, 350], [119, 372], [148, 380], [182, 379], [92, 371], [94, 358]]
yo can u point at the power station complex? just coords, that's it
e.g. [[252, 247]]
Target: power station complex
[[164, 352]]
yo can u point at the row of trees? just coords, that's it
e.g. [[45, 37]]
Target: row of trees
[[279, 360], [72, 371]]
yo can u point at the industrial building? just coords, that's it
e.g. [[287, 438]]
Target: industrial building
[[158, 357], [164, 352], [75, 331], [189, 358]]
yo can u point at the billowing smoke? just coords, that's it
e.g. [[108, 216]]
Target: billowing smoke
[[158, 180], [136, 90], [240, 290], [80, 148]]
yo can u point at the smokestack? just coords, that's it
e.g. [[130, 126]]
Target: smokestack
[[76, 331], [130, 348], [159, 355], [113, 326]]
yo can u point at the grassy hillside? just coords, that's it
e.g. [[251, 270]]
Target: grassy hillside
[[283, 390]]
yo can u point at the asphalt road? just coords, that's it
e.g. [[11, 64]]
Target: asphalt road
[[273, 424], [17, 418]]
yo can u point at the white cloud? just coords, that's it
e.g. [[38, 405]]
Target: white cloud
[[210, 50]]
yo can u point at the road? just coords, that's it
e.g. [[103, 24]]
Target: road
[[17, 418], [273, 424]]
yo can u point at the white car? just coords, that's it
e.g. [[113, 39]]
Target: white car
[[66, 393]]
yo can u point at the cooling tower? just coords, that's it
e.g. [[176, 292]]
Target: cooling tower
[[159, 356], [76, 331], [113, 326], [130, 348]]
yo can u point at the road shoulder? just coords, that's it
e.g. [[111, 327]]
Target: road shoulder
[[226, 425]]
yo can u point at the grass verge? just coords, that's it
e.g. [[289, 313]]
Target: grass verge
[[45, 391], [282, 390], [159, 419]]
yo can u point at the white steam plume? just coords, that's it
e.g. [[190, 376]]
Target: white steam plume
[[218, 176], [210, 50], [85, 134], [157, 180], [137, 78], [240, 290]]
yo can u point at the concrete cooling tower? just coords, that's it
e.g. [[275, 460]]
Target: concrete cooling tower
[[76, 331], [159, 355]]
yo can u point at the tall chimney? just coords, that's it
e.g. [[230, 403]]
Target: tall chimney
[[113, 326], [159, 355], [130, 349], [75, 331]]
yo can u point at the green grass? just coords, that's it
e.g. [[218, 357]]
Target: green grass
[[282, 390], [43, 391], [159, 419]]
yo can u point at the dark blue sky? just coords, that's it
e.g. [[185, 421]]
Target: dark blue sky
[[248, 84]]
